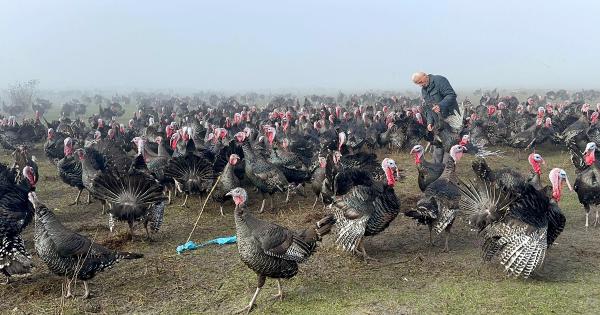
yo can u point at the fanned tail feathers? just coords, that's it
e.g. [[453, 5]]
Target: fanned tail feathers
[[483, 203]]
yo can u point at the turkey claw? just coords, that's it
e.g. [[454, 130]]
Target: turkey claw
[[246, 309], [278, 296]]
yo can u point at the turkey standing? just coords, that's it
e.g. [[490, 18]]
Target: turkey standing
[[316, 181], [517, 226], [67, 253], [69, 169], [54, 145], [271, 250], [135, 196], [227, 182], [587, 182], [193, 174], [438, 207], [92, 165], [264, 175], [428, 171], [15, 214], [365, 208]]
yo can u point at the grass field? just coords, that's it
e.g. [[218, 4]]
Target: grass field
[[410, 277]]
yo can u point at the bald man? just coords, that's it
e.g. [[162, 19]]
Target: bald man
[[437, 92], [440, 100]]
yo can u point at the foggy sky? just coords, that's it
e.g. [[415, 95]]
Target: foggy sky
[[245, 45]]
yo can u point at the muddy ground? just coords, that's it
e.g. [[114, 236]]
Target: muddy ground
[[411, 276]]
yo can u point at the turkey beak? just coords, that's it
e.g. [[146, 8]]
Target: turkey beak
[[568, 184], [229, 193], [397, 172]]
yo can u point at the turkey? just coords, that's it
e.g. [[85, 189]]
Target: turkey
[[428, 171], [53, 148], [157, 165], [132, 197], [270, 250], [193, 174], [316, 181], [587, 182], [438, 207], [92, 165], [15, 214], [289, 163], [69, 169], [67, 253], [508, 178], [366, 207], [227, 182], [516, 228], [264, 175]]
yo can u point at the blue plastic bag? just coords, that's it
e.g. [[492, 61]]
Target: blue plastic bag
[[190, 245]]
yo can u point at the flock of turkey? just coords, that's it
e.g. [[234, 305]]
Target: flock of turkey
[[225, 150]]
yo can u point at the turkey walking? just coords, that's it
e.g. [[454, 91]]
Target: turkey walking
[[67, 253], [365, 208], [270, 250]]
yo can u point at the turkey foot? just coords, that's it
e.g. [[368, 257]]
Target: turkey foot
[[361, 250], [184, 202], [248, 308], [76, 199], [279, 295], [85, 295]]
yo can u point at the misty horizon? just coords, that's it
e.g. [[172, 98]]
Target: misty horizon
[[272, 46]]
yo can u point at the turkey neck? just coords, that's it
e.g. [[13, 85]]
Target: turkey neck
[[162, 151], [243, 220], [46, 218], [450, 171], [248, 152]]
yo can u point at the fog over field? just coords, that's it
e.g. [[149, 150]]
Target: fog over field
[[315, 45]]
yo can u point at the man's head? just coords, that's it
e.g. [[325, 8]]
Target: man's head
[[420, 78]]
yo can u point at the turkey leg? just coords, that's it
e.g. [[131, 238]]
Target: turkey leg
[[279, 294], [446, 249], [184, 201], [68, 285], [77, 199], [315, 204], [430, 235], [87, 291], [262, 208], [260, 284], [363, 252], [597, 217], [130, 229], [587, 215]]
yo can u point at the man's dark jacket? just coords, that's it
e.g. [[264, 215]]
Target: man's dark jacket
[[439, 91]]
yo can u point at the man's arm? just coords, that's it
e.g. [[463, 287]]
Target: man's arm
[[445, 89]]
